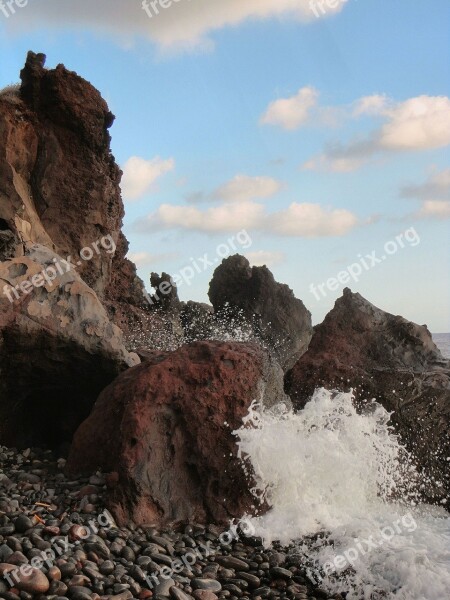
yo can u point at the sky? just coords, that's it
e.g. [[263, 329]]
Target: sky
[[310, 136]]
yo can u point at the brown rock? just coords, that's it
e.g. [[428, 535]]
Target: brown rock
[[204, 595], [32, 580], [166, 425], [78, 532], [52, 530], [54, 574], [59, 182], [382, 356], [273, 314], [59, 338]]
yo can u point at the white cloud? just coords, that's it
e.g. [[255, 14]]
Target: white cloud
[[312, 220], [421, 123], [291, 113], [298, 220], [139, 175], [434, 195], [213, 220], [261, 258], [333, 165], [371, 105], [437, 209], [183, 24], [436, 187], [144, 259], [242, 188]]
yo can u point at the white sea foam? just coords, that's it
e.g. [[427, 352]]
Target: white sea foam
[[335, 479]]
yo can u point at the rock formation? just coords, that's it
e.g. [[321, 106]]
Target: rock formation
[[59, 183], [59, 204], [388, 358], [163, 428], [58, 350], [251, 294], [166, 426]]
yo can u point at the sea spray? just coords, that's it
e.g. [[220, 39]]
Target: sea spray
[[344, 490]]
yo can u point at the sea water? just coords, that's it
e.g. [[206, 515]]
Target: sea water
[[343, 493]]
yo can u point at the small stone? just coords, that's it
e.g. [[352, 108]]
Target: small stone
[[78, 533], [204, 595], [127, 595], [52, 531], [276, 559], [32, 580], [10, 596], [8, 529], [79, 581], [5, 552], [17, 558], [252, 580], [163, 587], [107, 567], [29, 478], [23, 523], [77, 592], [279, 572], [58, 588], [178, 594], [231, 562], [128, 554], [263, 592], [54, 574], [206, 584], [67, 569]]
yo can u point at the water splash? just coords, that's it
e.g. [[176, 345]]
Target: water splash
[[336, 478]]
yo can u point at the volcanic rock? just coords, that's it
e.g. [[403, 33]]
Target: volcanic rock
[[385, 357], [59, 182], [275, 315], [166, 427], [58, 350]]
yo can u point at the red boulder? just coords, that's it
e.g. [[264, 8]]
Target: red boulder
[[166, 426]]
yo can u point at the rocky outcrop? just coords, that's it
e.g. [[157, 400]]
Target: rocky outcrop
[[165, 429], [276, 317], [61, 216], [58, 349], [59, 183], [382, 356]]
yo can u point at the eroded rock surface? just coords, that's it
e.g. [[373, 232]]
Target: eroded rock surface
[[58, 350], [59, 182], [166, 426], [275, 315]]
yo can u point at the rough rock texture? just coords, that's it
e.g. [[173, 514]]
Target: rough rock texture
[[58, 350], [165, 428], [277, 317], [388, 358], [166, 294], [59, 183]]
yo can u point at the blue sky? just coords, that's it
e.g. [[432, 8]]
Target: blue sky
[[325, 138]]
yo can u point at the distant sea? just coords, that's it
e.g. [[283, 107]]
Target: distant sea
[[442, 341]]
